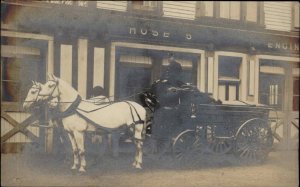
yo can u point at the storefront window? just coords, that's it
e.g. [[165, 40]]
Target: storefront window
[[134, 76], [271, 83], [138, 69], [229, 78], [132, 81], [188, 70], [271, 90], [16, 78], [21, 62]]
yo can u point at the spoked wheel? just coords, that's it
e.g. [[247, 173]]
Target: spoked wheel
[[218, 145], [254, 141], [187, 146], [155, 147]]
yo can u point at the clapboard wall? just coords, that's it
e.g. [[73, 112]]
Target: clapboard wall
[[278, 15], [179, 9], [113, 5]]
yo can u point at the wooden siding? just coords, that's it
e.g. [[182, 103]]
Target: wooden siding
[[179, 9], [278, 15], [19, 137], [113, 5]]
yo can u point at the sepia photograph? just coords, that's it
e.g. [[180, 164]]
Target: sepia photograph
[[150, 93]]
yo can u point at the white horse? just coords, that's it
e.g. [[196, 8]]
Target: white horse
[[110, 117], [31, 99]]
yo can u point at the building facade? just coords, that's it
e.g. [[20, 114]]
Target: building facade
[[247, 51]]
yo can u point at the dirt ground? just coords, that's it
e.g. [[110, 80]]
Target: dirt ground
[[281, 169]]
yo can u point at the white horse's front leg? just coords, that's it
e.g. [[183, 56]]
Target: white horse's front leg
[[79, 137], [138, 155], [75, 151], [138, 135]]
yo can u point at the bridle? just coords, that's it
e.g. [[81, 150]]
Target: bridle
[[37, 95], [50, 95]]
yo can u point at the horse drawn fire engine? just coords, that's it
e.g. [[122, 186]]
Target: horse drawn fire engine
[[197, 124]]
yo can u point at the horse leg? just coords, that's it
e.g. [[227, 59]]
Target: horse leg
[[138, 154], [79, 136], [138, 135], [75, 151]]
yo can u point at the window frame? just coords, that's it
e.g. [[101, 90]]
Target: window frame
[[294, 106], [294, 28], [156, 12], [200, 10]]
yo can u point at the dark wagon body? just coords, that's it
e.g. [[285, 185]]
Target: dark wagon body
[[217, 128]]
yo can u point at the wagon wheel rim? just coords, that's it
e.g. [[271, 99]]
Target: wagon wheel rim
[[217, 145], [254, 142], [186, 147]]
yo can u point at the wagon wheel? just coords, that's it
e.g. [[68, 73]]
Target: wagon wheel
[[186, 146], [218, 145], [155, 147], [254, 141]]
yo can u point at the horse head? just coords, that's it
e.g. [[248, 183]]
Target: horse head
[[48, 90], [32, 98], [57, 92]]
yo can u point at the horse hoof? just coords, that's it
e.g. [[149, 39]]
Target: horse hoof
[[134, 164], [138, 166], [82, 170]]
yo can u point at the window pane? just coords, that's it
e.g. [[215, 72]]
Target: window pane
[[224, 9], [144, 5], [235, 10], [271, 89], [229, 66], [11, 69], [208, 8], [132, 80], [10, 91], [296, 14], [230, 10], [251, 11]]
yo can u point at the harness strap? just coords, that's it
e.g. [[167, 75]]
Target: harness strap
[[135, 112], [71, 110]]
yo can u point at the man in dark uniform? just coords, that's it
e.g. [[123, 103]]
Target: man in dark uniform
[[166, 113]]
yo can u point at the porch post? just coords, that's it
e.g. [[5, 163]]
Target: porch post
[[50, 69]]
